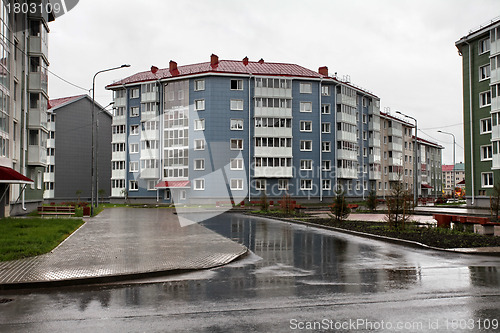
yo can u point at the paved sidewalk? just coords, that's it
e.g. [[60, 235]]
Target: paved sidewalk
[[123, 243]]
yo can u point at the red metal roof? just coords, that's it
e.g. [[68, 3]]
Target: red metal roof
[[175, 183], [53, 103], [446, 168], [223, 66], [426, 186], [11, 176]]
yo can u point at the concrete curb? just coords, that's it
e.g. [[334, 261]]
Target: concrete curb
[[382, 238]]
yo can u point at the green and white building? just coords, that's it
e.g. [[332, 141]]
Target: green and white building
[[480, 51]]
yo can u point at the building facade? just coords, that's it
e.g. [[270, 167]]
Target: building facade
[[448, 175], [480, 51], [23, 107], [69, 149], [429, 159], [236, 129]]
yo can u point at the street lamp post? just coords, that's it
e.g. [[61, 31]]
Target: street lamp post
[[415, 160], [94, 158], [454, 176]]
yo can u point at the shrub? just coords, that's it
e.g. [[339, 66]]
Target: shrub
[[339, 209]]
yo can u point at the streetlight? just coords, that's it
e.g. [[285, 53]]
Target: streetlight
[[454, 179], [94, 159], [415, 164]]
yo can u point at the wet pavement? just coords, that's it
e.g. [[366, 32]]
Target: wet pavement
[[296, 276], [123, 243]]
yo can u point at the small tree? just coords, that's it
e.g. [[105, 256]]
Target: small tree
[[125, 194], [264, 204], [399, 206], [78, 194], [372, 201], [495, 202], [102, 193], [287, 205], [340, 209]]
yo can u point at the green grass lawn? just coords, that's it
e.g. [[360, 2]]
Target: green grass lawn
[[27, 237]]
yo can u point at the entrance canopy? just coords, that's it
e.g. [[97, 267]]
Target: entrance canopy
[[11, 176], [174, 184]]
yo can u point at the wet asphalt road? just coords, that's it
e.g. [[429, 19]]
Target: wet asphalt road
[[296, 277]]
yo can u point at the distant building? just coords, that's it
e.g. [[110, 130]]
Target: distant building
[[448, 177], [480, 51], [429, 168], [69, 149]]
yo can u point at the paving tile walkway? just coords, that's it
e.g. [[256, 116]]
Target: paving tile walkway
[[124, 242]]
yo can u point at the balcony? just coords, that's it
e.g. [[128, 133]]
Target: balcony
[[118, 174], [374, 109], [347, 173], [117, 192], [374, 126], [149, 115], [343, 154], [375, 175], [495, 104], [346, 136], [120, 101], [118, 138], [118, 156], [394, 176], [346, 118], [37, 156], [347, 100], [395, 146], [37, 118], [273, 151], [49, 177], [119, 120], [149, 97], [374, 142], [38, 82], [273, 172], [273, 132], [495, 162], [395, 131], [273, 92], [273, 112], [395, 162], [150, 173], [38, 46], [374, 159]]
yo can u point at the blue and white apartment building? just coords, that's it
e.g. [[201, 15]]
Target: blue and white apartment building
[[229, 130]]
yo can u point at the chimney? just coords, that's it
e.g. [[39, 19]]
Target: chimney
[[172, 65], [245, 61], [214, 60], [261, 61], [154, 69], [323, 71]]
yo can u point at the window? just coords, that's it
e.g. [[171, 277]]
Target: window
[[199, 85], [34, 100], [487, 179], [365, 136], [151, 185], [134, 93], [305, 126], [485, 126], [199, 104], [326, 165], [486, 153], [134, 148], [236, 144], [134, 167], [133, 185], [199, 124], [484, 45], [305, 145], [305, 164], [199, 164], [365, 120], [327, 184], [199, 144], [260, 184], [305, 88], [134, 111], [326, 146], [39, 180], [305, 107], [236, 104], [236, 84], [283, 184], [236, 184], [325, 128], [306, 184], [199, 184], [134, 129], [485, 99], [484, 72], [325, 90], [325, 109], [236, 124], [236, 164]]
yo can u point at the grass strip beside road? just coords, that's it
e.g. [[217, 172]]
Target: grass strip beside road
[[28, 237]]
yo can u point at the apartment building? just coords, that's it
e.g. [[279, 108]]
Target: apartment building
[[450, 171], [480, 52], [234, 129], [429, 159], [23, 108], [69, 149]]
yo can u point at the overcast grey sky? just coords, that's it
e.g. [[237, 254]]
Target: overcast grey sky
[[402, 51]]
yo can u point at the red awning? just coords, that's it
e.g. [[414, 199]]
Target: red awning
[[174, 184], [461, 183], [426, 186], [11, 176]]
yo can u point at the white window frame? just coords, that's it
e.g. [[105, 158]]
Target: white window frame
[[306, 165], [326, 127], [151, 185], [134, 93], [484, 183], [305, 87], [199, 184], [199, 85], [238, 147], [325, 109], [306, 126], [326, 146], [305, 106], [133, 185], [236, 105], [199, 124], [134, 129], [483, 95], [239, 84], [484, 72], [326, 165], [327, 184], [304, 182], [483, 46], [236, 164], [260, 184], [325, 91], [134, 111], [283, 184], [238, 182], [304, 144], [484, 152], [133, 166], [484, 123], [133, 148], [199, 144], [199, 105], [236, 124], [201, 166]]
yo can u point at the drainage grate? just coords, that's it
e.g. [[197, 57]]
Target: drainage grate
[[5, 300]]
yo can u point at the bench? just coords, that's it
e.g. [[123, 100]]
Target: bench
[[56, 210], [480, 225]]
